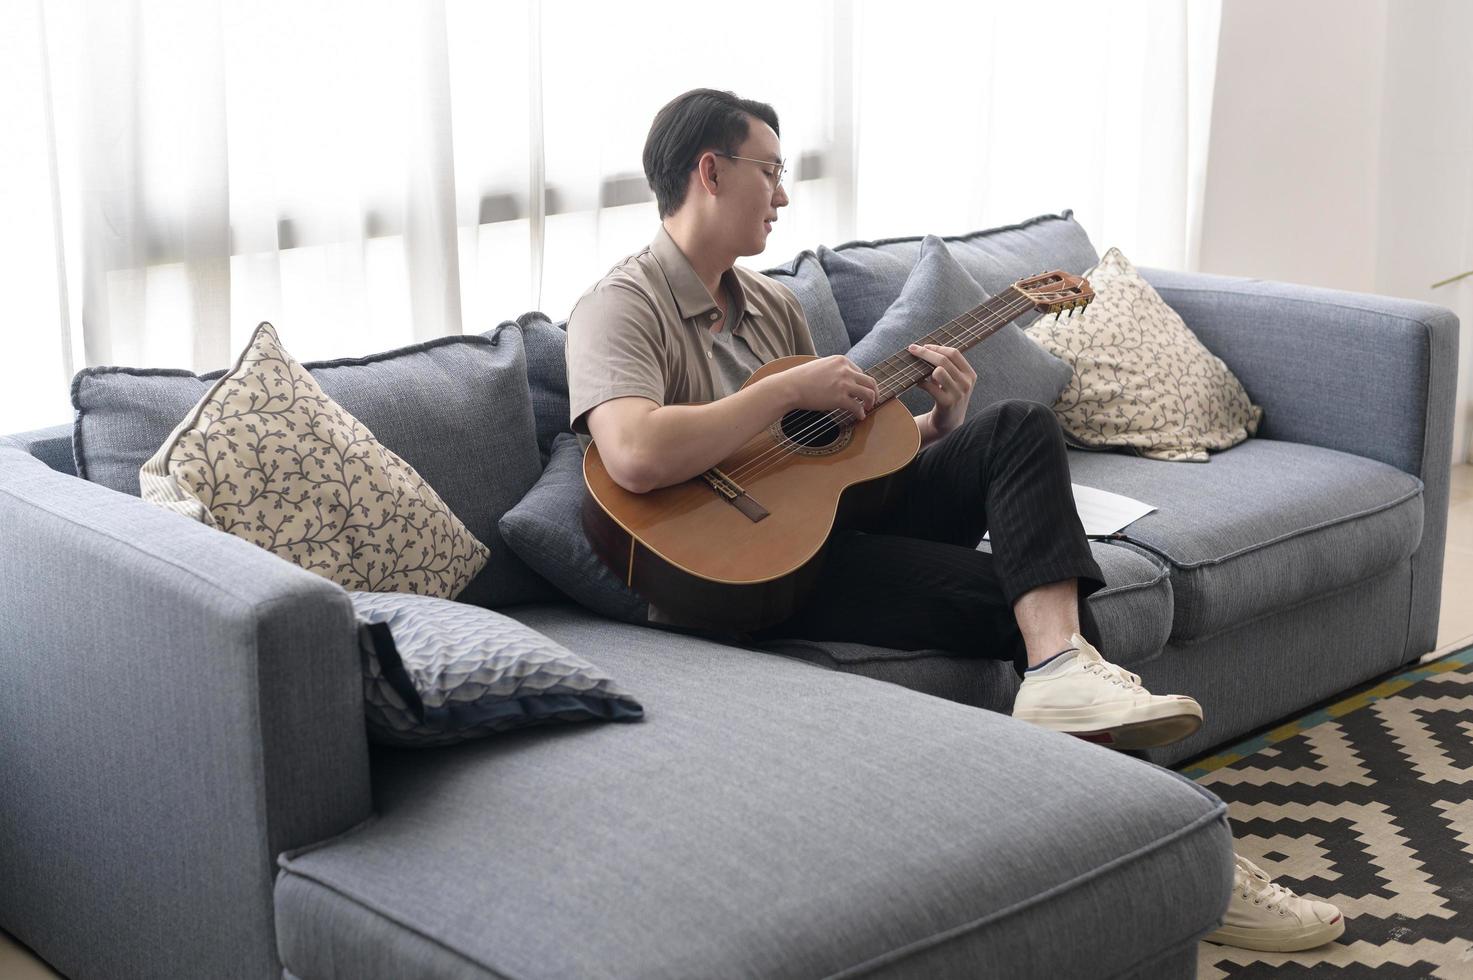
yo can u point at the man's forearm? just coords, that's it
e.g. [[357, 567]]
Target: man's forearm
[[685, 440]]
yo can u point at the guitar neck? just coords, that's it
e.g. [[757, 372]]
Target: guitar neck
[[903, 370]]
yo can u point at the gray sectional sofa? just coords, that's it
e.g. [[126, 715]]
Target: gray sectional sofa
[[186, 788]]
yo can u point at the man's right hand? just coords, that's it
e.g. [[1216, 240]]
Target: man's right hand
[[830, 384]]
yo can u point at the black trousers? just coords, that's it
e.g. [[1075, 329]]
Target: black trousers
[[913, 579]]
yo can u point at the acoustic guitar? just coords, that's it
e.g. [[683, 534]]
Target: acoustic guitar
[[739, 546]]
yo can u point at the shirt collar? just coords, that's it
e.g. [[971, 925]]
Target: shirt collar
[[692, 298]]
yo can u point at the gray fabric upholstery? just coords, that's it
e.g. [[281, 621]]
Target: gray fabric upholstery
[[547, 374], [766, 819], [1370, 375], [866, 277], [51, 445], [546, 529], [1133, 611], [1272, 667], [804, 275], [457, 409], [179, 707], [1262, 526], [167, 731], [938, 289]]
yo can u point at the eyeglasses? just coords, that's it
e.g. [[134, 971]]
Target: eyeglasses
[[775, 179]]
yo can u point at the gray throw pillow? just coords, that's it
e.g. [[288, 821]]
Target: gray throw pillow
[[1008, 363], [437, 671], [804, 275], [866, 277], [456, 409], [546, 530]]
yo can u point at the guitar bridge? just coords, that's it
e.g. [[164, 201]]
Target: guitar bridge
[[734, 494]]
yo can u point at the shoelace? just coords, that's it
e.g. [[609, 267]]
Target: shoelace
[[1119, 674], [1256, 882]]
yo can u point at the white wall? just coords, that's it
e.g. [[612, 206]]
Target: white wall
[[1426, 200], [1342, 152]]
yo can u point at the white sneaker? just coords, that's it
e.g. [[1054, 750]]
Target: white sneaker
[[1084, 695], [1269, 917]]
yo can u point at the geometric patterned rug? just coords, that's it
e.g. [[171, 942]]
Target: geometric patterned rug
[[1368, 804]]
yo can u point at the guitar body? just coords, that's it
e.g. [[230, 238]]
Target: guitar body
[[741, 552]]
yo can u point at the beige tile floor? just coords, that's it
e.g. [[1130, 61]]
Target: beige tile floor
[[1455, 630]]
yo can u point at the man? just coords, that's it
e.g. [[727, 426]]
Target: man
[[657, 351]]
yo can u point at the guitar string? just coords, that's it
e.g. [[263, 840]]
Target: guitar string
[[906, 377], [903, 380]]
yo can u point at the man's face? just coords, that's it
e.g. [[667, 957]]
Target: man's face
[[749, 207]]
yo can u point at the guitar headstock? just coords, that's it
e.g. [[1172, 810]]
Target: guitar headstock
[[1054, 292]]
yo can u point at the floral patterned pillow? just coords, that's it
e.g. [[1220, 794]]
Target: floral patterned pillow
[[267, 456], [1142, 380]]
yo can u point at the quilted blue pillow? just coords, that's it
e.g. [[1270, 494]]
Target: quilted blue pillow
[[437, 671], [938, 289]]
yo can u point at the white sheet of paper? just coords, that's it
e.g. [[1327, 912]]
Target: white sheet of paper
[[1103, 512]]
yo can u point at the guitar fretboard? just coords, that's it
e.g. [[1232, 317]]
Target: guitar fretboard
[[903, 369]]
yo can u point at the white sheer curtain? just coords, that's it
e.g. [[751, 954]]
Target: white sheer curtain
[[1016, 109], [365, 174]]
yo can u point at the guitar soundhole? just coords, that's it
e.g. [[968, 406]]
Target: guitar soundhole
[[811, 430]]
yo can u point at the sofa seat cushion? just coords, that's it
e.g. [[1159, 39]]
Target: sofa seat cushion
[[768, 818], [1133, 611], [1262, 527]]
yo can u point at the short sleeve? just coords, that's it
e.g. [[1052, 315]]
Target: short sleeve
[[615, 350]]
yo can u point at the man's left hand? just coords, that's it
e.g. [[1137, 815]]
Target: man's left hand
[[950, 384]]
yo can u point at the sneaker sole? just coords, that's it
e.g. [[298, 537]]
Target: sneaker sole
[[1265, 941], [1144, 734], [1149, 733]]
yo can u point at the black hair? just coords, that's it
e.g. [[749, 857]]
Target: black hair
[[689, 125]]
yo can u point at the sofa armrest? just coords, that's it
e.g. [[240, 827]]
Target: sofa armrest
[[179, 707], [1364, 374], [51, 445]]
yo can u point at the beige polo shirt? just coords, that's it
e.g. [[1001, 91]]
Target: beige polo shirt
[[645, 329]]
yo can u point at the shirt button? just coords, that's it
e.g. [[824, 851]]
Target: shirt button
[[715, 316], [710, 355]]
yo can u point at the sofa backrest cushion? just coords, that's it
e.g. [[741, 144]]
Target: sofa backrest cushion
[[804, 275], [547, 374], [457, 409], [1008, 364], [866, 277]]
